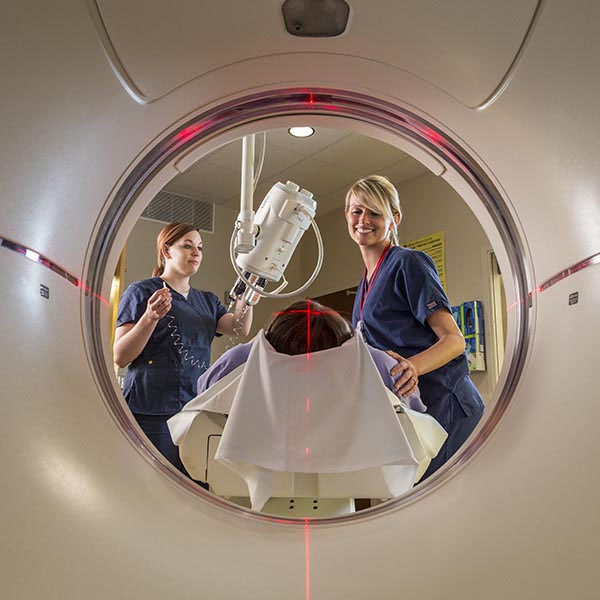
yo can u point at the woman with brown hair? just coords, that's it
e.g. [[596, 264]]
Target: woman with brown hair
[[164, 331]]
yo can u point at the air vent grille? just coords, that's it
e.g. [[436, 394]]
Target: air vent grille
[[169, 207]]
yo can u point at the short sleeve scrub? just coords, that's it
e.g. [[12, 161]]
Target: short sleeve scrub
[[404, 292], [163, 377]]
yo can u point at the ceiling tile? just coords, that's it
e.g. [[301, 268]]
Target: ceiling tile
[[339, 195], [320, 139], [407, 168], [228, 156], [259, 193], [278, 160], [327, 204], [210, 179], [319, 177], [360, 154], [216, 178]]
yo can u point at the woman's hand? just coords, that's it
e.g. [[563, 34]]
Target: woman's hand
[[407, 384], [450, 344], [159, 304], [131, 338]]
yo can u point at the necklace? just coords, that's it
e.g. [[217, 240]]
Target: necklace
[[363, 294]]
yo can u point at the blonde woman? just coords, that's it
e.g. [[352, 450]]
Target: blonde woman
[[404, 310]]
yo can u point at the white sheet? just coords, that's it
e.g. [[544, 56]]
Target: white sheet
[[324, 413]]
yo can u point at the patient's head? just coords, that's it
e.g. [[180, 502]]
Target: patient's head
[[288, 332]]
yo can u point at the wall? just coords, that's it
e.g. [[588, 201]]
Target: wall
[[429, 205]]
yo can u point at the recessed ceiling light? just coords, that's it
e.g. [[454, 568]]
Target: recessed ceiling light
[[301, 132]]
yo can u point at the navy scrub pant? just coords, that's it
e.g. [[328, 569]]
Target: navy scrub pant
[[458, 432], [156, 429]]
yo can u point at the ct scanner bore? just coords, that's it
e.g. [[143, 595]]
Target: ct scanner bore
[[333, 105], [85, 515]]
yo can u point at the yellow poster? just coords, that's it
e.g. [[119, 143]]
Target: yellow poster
[[434, 246]]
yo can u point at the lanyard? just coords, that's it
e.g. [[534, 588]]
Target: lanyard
[[363, 295]]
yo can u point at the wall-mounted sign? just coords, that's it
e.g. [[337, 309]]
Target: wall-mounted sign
[[434, 246]]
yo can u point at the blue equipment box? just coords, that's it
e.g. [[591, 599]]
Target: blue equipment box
[[469, 318]]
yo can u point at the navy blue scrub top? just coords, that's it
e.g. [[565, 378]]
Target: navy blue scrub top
[[162, 379], [405, 292]]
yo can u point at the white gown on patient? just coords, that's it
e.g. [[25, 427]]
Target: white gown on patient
[[326, 412]]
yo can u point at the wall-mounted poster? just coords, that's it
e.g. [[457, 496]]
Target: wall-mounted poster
[[434, 246]]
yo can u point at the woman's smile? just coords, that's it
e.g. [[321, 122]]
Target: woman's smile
[[363, 229], [365, 225]]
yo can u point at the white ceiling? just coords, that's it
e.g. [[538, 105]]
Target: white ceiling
[[326, 163]]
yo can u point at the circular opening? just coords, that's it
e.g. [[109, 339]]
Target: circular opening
[[358, 112]]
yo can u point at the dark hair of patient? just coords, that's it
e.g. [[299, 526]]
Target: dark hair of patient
[[288, 330]]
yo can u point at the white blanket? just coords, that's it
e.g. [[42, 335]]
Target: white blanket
[[327, 412]]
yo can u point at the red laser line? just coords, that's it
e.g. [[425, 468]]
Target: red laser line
[[308, 332], [192, 130], [312, 312], [531, 293], [309, 313], [46, 262], [307, 546], [86, 288]]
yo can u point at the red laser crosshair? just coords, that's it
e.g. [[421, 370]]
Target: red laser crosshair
[[309, 312]]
